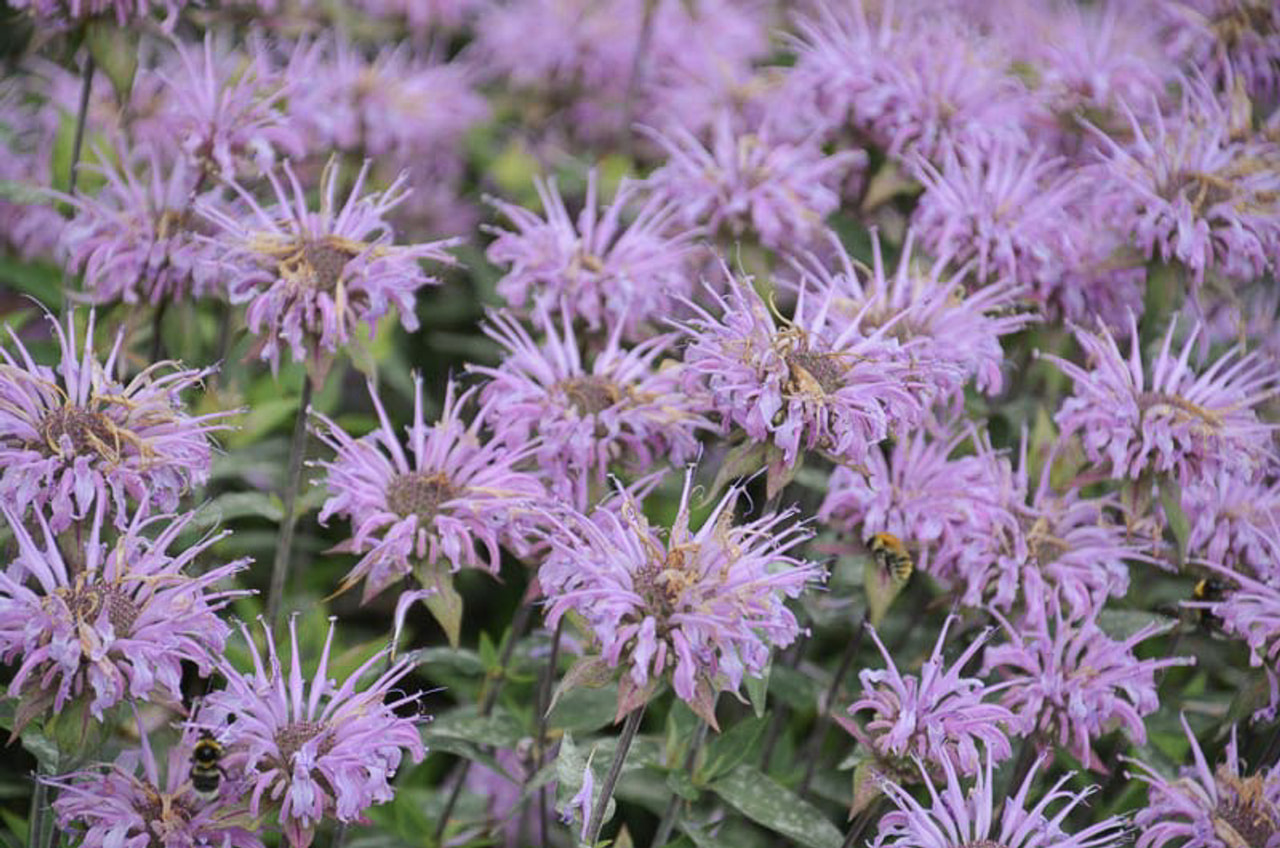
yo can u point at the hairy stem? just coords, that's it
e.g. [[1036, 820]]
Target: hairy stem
[[288, 523], [813, 748], [615, 771], [672, 813]]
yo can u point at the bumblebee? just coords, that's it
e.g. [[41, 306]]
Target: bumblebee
[[892, 556], [206, 768], [1209, 590]]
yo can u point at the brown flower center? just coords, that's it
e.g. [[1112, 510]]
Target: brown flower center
[[590, 394], [291, 738], [809, 369], [419, 493], [327, 261], [89, 432], [87, 602], [1204, 191], [1248, 819]]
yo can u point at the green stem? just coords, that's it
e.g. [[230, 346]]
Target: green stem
[[862, 822], [288, 523], [82, 119], [813, 748], [672, 813], [629, 730], [780, 710], [540, 739]]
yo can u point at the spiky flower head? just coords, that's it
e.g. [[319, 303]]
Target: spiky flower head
[[608, 270], [1176, 421], [1210, 808], [67, 12], [959, 819], [940, 715], [450, 496], [1235, 521], [77, 436], [315, 278], [135, 240], [321, 750], [1186, 190], [1249, 609], [814, 381], [1229, 40], [119, 807], [621, 411], [951, 511], [105, 622], [1070, 682], [752, 182], [703, 607]]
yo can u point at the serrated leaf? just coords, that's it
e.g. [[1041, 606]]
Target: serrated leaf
[[445, 604], [770, 804]]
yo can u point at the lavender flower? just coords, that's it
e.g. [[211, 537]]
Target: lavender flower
[[216, 109], [1006, 210], [65, 12], [1250, 610], [952, 512], [450, 497], [312, 279], [605, 270], [119, 807], [1185, 423], [1069, 682], [621, 410], [136, 239], [815, 382], [29, 226], [940, 716], [111, 621], [1229, 39], [706, 607], [1235, 521], [79, 436], [1206, 808], [956, 819], [1186, 190], [326, 750], [780, 191]]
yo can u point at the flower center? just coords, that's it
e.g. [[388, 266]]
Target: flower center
[[1204, 191], [87, 602], [420, 494], [1045, 547], [89, 432], [1181, 408], [590, 395], [291, 738], [810, 370], [327, 261], [1247, 819]]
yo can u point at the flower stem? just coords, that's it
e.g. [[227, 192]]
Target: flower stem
[[157, 337], [41, 831], [540, 739], [637, 68], [518, 627], [672, 813], [82, 120], [615, 771], [780, 711], [1026, 759], [813, 748], [297, 449], [862, 822]]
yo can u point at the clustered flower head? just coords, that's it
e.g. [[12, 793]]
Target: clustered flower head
[[940, 716], [1069, 682], [1179, 420], [814, 381], [323, 749], [78, 436], [158, 807], [704, 607], [625, 409], [66, 12], [108, 621], [605, 269], [313, 279], [1210, 807], [959, 819], [450, 496]]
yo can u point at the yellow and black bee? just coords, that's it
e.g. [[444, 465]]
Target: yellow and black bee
[[206, 767], [892, 556], [1209, 590]]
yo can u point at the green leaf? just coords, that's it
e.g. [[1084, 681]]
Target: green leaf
[[882, 590], [115, 50], [770, 804], [1171, 500], [1122, 623], [758, 688], [445, 604], [700, 838], [742, 460], [728, 750], [499, 729], [590, 671], [462, 660], [17, 826], [681, 783], [233, 505], [584, 710]]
